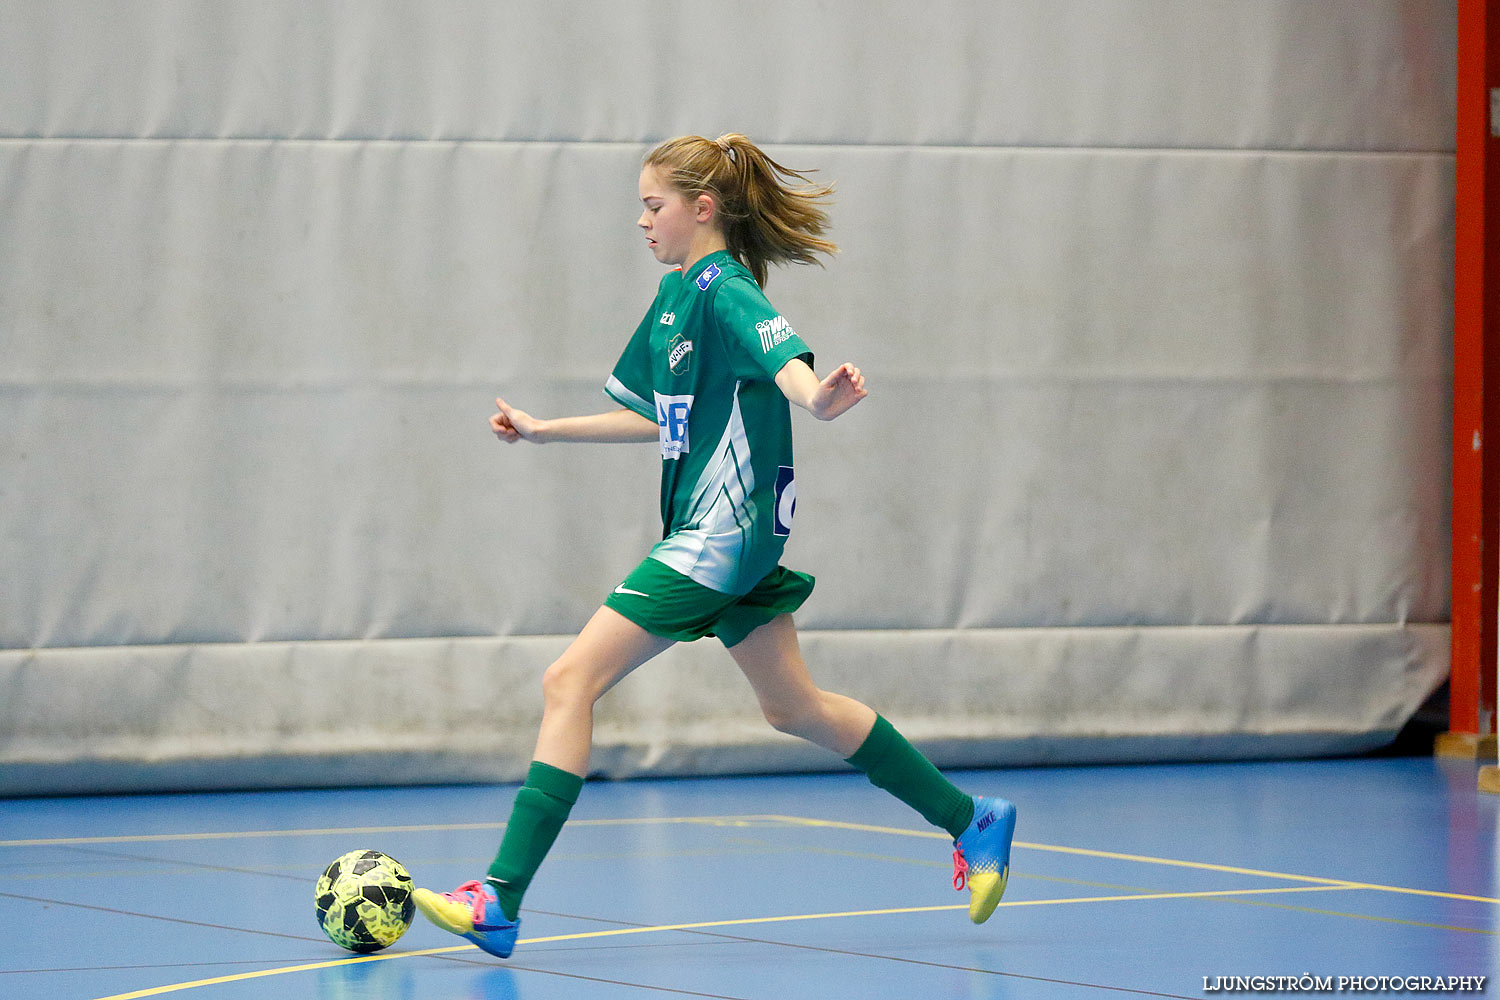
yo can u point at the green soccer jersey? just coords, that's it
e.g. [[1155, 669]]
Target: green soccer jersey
[[702, 364]]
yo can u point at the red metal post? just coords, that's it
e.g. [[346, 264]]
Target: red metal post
[[1476, 373]]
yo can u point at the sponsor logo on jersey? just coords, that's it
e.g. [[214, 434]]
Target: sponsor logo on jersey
[[667, 319], [672, 414], [707, 277], [774, 332], [680, 355], [786, 500]]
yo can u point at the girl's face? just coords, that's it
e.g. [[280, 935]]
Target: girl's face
[[670, 220]]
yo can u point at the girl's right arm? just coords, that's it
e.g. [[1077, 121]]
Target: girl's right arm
[[511, 425]]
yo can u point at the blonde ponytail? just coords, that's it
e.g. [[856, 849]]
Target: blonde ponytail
[[771, 214]]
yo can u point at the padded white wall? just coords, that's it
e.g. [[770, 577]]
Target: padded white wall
[[1154, 297]]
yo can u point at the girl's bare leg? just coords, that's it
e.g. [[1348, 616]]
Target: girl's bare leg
[[609, 647], [772, 662]]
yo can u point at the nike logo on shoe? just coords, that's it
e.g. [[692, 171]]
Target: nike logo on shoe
[[622, 589]]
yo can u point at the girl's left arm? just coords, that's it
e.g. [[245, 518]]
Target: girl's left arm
[[824, 399]]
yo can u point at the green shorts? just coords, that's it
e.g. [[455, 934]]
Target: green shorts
[[664, 602]]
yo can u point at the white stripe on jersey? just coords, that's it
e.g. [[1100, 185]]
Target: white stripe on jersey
[[708, 549], [615, 388]]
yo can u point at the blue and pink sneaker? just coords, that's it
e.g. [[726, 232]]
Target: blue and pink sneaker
[[981, 856], [473, 912]]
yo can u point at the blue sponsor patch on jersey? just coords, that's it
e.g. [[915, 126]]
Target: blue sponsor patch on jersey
[[707, 277], [672, 413], [786, 500]]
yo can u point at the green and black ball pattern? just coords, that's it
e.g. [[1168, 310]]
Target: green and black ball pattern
[[364, 901]]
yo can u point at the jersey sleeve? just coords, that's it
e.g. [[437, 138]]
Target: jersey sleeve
[[759, 339], [629, 384]]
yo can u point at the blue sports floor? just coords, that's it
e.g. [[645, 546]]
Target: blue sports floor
[[1153, 881]]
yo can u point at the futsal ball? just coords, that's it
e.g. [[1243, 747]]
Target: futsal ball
[[364, 901]]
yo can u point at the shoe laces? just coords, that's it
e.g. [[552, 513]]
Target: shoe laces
[[960, 868], [472, 892]]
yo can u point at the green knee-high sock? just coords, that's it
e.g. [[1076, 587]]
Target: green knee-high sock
[[541, 809], [890, 762]]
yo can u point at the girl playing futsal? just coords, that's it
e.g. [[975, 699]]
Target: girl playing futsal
[[710, 375]]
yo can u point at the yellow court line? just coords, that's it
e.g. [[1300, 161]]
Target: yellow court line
[[698, 926], [1426, 924], [1337, 883], [896, 911], [750, 820], [157, 991], [150, 838], [1333, 882]]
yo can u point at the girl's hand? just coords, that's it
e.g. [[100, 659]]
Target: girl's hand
[[843, 387], [511, 425]]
